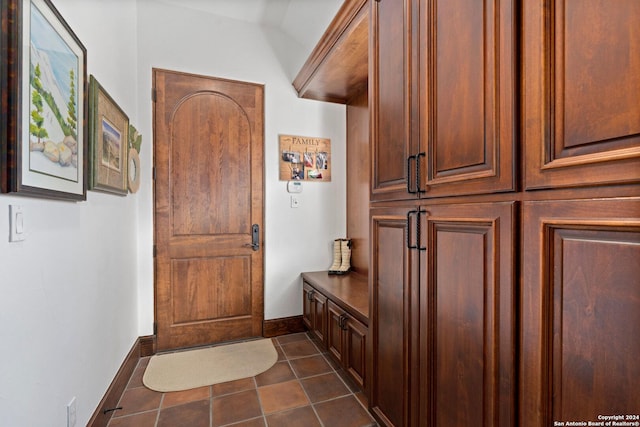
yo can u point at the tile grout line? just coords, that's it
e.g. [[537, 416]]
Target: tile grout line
[[286, 359], [255, 383], [304, 390], [159, 409]]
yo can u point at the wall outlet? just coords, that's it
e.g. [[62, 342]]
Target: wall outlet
[[71, 413]]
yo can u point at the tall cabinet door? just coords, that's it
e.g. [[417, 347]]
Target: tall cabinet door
[[580, 310], [389, 92], [467, 96], [467, 315], [581, 75], [393, 318]]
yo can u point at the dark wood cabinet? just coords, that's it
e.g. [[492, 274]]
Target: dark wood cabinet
[[345, 302], [504, 212], [347, 341], [581, 84], [467, 325], [315, 312], [443, 308], [307, 306], [390, 87], [335, 341], [443, 98], [580, 311], [467, 97], [393, 344], [355, 358]]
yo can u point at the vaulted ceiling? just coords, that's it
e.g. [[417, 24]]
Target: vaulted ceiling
[[303, 20]]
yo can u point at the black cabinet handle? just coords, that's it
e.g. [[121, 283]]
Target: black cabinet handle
[[409, 245], [342, 321], [418, 221]]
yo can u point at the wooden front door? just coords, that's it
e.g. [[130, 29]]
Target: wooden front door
[[208, 147]]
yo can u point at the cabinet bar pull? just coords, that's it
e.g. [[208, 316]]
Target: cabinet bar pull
[[417, 245], [409, 245], [342, 322]]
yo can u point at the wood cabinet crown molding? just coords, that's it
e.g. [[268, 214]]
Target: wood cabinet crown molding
[[338, 67]]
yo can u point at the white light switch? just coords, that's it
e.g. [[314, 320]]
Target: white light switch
[[16, 223], [295, 201]]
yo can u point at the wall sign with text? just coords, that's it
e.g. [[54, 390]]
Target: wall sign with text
[[304, 158]]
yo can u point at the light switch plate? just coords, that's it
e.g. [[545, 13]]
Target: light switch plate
[[17, 231]]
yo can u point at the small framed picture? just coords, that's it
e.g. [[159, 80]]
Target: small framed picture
[[46, 123], [108, 142]]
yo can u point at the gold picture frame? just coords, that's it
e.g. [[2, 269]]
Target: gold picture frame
[[108, 142]]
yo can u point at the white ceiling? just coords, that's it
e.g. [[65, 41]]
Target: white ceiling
[[303, 20]]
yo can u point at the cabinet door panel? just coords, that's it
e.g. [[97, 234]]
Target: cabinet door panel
[[307, 305], [335, 343], [468, 314], [392, 318], [389, 88], [320, 316], [581, 310], [467, 96], [355, 355], [581, 74]]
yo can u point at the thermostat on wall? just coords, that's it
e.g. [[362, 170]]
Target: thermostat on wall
[[294, 187]]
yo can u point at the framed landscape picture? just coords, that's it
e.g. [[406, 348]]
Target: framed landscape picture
[[47, 133], [108, 142]]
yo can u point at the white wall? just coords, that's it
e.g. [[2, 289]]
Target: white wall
[[68, 293], [296, 240], [77, 293]]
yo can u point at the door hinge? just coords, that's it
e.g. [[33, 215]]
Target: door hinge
[[155, 328], [153, 94], [153, 172], [155, 251]]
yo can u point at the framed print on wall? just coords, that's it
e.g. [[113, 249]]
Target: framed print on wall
[[108, 142], [47, 135]]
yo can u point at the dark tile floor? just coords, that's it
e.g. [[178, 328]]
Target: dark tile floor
[[304, 388]]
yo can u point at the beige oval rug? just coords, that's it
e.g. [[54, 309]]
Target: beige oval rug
[[189, 369]]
